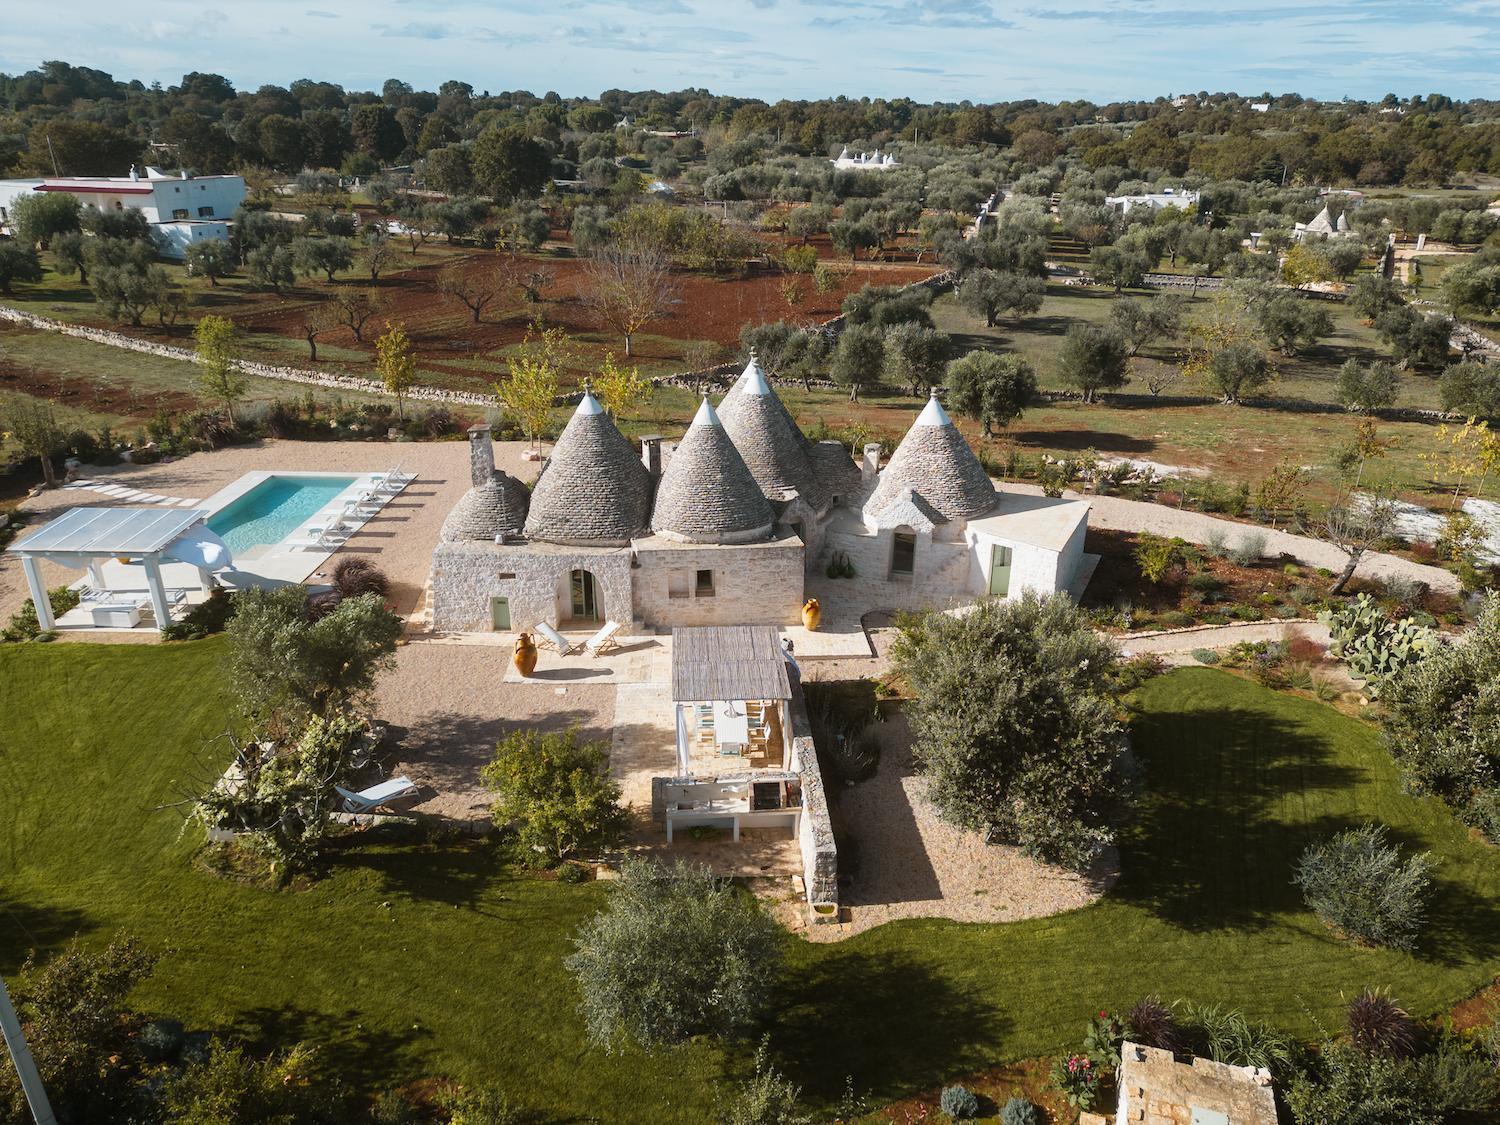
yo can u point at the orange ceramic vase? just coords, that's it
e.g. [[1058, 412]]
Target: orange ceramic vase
[[812, 613], [524, 657]]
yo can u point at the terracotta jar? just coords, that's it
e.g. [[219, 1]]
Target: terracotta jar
[[812, 613], [524, 657]]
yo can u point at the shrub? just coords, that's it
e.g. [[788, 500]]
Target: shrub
[[1206, 656], [768, 1097], [1102, 1039], [959, 1103], [1249, 549], [1483, 812], [1345, 1084], [391, 1108], [1379, 1026], [355, 575], [1227, 1035], [1359, 884], [1204, 582], [1154, 555], [555, 793], [481, 1105], [1019, 1111], [24, 625], [676, 951], [160, 1040], [1154, 1024], [207, 617], [1176, 619], [573, 874]]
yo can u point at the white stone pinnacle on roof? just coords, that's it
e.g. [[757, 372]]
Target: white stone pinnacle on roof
[[933, 414], [755, 379], [706, 415], [588, 404]]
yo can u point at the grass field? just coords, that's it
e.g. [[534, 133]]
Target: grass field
[[414, 958]]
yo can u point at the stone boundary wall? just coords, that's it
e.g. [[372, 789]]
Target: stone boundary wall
[[820, 858], [261, 370]]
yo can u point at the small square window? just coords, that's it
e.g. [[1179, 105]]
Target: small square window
[[703, 586], [205, 212]]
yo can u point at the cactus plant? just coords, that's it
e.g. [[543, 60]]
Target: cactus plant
[[1373, 645]]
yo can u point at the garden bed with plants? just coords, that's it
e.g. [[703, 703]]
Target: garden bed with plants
[[1147, 582]]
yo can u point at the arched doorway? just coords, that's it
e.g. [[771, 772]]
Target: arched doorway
[[583, 592]]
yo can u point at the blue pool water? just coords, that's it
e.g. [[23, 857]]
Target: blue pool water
[[273, 509]]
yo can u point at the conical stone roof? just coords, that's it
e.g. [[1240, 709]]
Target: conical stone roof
[[497, 508], [935, 462], [707, 494], [730, 404], [766, 440], [594, 488]]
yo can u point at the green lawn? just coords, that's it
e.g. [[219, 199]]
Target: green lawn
[[414, 959]]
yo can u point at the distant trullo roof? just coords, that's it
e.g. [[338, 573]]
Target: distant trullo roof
[[766, 438], [594, 488], [707, 494], [495, 504], [936, 464], [1322, 222]]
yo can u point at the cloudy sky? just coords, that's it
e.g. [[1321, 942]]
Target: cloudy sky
[[924, 49]]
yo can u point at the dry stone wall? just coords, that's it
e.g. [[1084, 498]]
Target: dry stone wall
[[466, 575]]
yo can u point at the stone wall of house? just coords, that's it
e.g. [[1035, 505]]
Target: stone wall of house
[[466, 575], [755, 584], [1031, 567], [940, 571]]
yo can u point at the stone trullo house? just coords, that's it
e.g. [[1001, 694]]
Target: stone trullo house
[[727, 531]]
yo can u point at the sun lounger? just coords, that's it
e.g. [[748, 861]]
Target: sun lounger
[[604, 640], [368, 800], [561, 643], [392, 481], [322, 538]]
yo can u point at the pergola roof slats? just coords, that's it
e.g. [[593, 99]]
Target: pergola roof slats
[[109, 531], [728, 662]]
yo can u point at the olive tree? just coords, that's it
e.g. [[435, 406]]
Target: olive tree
[[1017, 729], [992, 389], [285, 666], [994, 293], [676, 952], [1093, 359], [1441, 719]]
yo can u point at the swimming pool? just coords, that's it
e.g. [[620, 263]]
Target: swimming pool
[[274, 508]]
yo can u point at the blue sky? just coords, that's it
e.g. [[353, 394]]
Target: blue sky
[[924, 49]]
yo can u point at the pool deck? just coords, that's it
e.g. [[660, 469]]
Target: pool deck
[[399, 539]]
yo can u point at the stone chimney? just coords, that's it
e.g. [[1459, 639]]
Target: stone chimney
[[481, 456], [651, 454], [869, 464]]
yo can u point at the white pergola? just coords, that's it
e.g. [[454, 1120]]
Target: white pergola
[[87, 537]]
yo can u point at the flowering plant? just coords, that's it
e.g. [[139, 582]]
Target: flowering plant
[[1101, 1042], [1078, 1079]]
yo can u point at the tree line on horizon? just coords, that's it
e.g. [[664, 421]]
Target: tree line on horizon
[[80, 121]]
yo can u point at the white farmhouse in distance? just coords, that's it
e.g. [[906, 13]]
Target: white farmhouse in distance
[[1156, 200], [181, 209], [865, 161]]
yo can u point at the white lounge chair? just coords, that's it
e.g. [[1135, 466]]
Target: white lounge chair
[[392, 481], [368, 800], [561, 643], [322, 538], [604, 640]]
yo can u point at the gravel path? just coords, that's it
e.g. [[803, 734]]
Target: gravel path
[[447, 709], [1181, 644], [909, 864], [1115, 513]]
